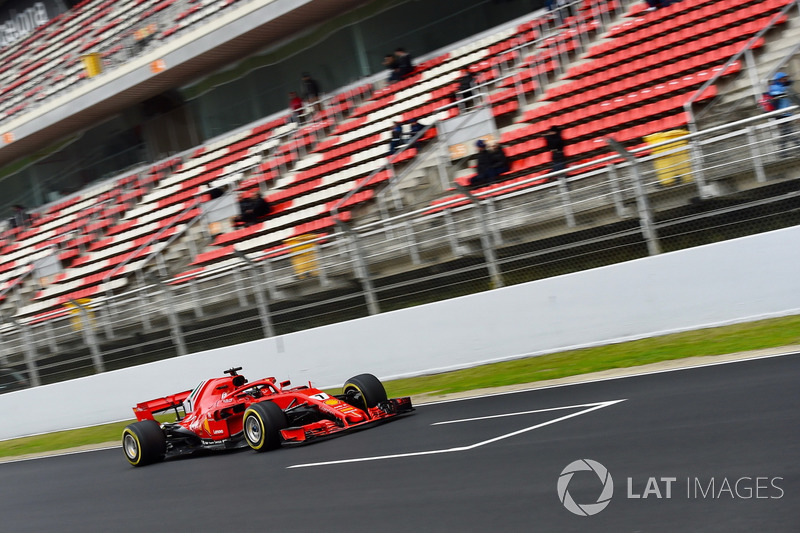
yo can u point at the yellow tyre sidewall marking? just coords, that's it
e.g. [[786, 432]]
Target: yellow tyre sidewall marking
[[363, 396], [127, 431], [263, 428]]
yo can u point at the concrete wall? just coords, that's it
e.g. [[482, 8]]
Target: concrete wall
[[733, 281]]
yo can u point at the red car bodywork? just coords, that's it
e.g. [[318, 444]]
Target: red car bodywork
[[214, 412]]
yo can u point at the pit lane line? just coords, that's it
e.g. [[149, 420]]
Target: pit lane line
[[589, 408]]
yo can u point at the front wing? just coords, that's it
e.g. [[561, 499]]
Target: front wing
[[383, 412]]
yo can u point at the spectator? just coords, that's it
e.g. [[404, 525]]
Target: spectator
[[390, 62], [311, 91], [414, 128], [21, 218], [403, 63], [252, 209], [464, 93], [397, 136], [486, 171], [296, 105], [499, 160], [657, 4], [215, 192], [556, 145], [781, 95]]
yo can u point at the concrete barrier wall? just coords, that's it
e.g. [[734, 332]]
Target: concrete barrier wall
[[733, 281]]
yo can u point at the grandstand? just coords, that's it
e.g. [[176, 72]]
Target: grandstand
[[129, 269]]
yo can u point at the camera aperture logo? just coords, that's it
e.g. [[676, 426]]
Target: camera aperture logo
[[585, 509]]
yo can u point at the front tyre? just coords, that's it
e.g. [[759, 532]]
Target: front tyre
[[144, 443], [262, 425], [364, 391]]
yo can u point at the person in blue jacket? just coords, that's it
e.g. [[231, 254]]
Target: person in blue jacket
[[781, 95]]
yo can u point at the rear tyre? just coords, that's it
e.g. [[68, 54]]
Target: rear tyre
[[262, 426], [144, 443], [364, 391]]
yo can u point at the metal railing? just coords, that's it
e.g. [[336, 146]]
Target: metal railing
[[624, 206], [751, 67]]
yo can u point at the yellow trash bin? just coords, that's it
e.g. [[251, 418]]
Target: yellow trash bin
[[671, 168], [304, 255], [93, 64], [75, 315]]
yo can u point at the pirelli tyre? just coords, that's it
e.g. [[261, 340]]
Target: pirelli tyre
[[364, 391], [262, 425], [144, 443]]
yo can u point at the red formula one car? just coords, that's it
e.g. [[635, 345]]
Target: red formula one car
[[230, 412]]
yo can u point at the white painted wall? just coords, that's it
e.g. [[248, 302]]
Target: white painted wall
[[733, 281]]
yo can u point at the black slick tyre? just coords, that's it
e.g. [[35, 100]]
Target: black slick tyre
[[364, 391], [144, 443], [262, 425]]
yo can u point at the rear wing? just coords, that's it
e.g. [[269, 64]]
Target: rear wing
[[146, 410]]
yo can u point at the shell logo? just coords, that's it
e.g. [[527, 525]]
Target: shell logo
[[159, 65], [332, 401]]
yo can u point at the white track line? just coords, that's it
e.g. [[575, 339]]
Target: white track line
[[515, 414], [593, 407]]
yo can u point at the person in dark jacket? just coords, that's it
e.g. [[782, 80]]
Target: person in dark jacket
[[464, 93], [414, 128], [390, 63], [485, 168], [397, 136], [252, 209], [555, 145], [403, 65], [21, 218], [311, 92], [499, 160]]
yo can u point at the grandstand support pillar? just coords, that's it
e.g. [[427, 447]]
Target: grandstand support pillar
[[361, 50], [758, 164], [497, 237], [238, 282], [566, 203], [261, 303], [752, 72], [322, 270], [697, 169], [360, 268], [616, 194], [645, 214], [30, 354], [486, 237], [145, 305], [108, 317], [441, 166], [89, 337], [194, 293], [172, 317], [51, 336], [272, 291], [413, 249], [450, 229]]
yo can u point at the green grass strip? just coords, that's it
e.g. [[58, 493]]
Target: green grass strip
[[714, 341]]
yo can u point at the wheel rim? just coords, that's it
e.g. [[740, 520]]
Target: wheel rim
[[252, 429], [361, 397], [131, 446]]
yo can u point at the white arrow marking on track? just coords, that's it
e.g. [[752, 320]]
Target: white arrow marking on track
[[589, 408]]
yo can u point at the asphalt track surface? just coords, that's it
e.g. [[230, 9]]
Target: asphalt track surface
[[723, 422]]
